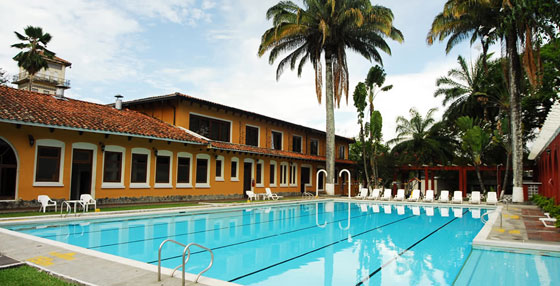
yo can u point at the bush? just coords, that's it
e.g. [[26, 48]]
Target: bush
[[548, 206]]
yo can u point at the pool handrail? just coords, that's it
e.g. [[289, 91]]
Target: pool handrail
[[186, 250]]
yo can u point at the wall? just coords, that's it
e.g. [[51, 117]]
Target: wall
[[549, 170]]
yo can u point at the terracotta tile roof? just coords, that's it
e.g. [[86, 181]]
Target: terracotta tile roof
[[31, 108], [59, 60], [270, 152]]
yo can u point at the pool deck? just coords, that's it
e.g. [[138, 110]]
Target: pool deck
[[519, 227]]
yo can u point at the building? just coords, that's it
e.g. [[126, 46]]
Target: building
[[46, 80], [166, 147], [546, 152]]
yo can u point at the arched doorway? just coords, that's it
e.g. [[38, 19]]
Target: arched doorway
[[8, 171]]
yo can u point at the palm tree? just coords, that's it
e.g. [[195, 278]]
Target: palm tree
[[327, 27], [474, 140], [34, 51]]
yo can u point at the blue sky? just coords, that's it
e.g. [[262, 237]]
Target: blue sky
[[208, 49]]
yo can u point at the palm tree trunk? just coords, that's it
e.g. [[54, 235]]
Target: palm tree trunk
[[506, 175], [30, 82], [364, 159], [515, 105], [329, 104], [480, 178]]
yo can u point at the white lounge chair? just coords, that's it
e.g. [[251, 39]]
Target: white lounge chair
[[272, 196], [458, 212], [491, 198], [415, 196], [457, 197], [374, 194], [87, 200], [46, 202], [429, 196], [362, 195], [444, 196], [251, 195], [429, 211], [386, 195], [400, 195], [475, 198], [546, 220], [400, 209]]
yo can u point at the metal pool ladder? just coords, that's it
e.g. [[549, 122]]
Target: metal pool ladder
[[187, 250], [487, 214]]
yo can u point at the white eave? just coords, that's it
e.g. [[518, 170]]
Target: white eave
[[549, 131]]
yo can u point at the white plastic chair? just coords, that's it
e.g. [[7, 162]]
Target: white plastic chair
[[400, 195], [415, 196], [457, 197], [386, 195], [374, 194], [86, 200], [251, 195], [444, 196], [429, 196], [363, 194], [46, 202], [491, 198], [271, 195], [475, 198]]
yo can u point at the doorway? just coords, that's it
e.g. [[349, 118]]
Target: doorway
[[81, 173], [305, 178], [8, 171], [247, 177]]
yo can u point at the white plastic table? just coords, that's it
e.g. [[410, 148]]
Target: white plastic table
[[71, 204]]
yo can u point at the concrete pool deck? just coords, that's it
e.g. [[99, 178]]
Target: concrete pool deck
[[87, 267]]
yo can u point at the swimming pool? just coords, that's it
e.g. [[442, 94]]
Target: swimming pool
[[320, 243]]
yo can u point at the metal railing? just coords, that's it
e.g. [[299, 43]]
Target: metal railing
[[42, 77], [186, 250], [487, 214]]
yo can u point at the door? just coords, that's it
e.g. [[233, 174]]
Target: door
[[247, 177], [8, 171], [305, 179], [81, 173]]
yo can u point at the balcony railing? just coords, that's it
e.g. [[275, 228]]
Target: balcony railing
[[42, 77]]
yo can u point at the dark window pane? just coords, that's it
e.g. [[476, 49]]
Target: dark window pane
[[212, 128], [341, 152], [183, 170], [259, 174], [296, 144], [251, 136], [272, 174], [162, 169], [113, 164], [219, 168], [48, 164], [201, 171], [314, 147], [139, 168], [276, 140], [234, 169]]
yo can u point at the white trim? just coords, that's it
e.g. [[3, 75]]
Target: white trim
[[236, 178], [189, 184], [17, 166], [220, 178], [294, 174], [207, 184], [216, 118], [261, 184], [272, 139], [85, 146], [550, 129], [300, 143], [272, 162], [146, 184], [310, 183], [50, 143], [169, 184], [253, 167], [258, 134], [318, 146], [114, 185], [285, 180], [322, 186]]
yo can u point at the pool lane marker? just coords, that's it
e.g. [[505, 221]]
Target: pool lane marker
[[404, 251], [317, 249]]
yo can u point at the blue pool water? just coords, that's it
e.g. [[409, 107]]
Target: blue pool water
[[326, 243]]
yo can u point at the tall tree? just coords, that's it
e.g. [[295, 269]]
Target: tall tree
[[327, 27], [474, 141], [33, 51]]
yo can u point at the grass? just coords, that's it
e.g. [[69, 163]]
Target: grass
[[26, 275]]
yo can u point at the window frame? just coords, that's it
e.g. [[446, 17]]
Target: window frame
[[221, 177], [342, 148], [168, 185], [114, 185], [208, 167], [275, 182], [293, 174], [189, 184], [146, 184], [318, 144], [258, 134], [272, 139], [55, 144], [214, 118], [285, 173], [300, 143], [236, 178], [310, 182], [261, 163]]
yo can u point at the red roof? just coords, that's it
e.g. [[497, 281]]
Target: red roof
[[58, 60], [32, 108]]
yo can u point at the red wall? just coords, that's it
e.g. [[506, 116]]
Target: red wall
[[549, 170]]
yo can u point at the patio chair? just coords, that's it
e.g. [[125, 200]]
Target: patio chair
[[362, 195], [400, 195], [86, 200], [444, 196], [429, 196], [546, 220], [271, 195], [46, 202], [475, 198], [491, 198], [374, 194], [457, 197], [415, 196], [251, 195], [386, 195]]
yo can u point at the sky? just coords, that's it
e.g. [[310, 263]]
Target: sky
[[208, 49]]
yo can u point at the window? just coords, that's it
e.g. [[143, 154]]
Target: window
[[314, 147], [251, 135], [336, 176], [163, 169], [139, 169], [283, 174], [273, 173], [341, 152], [214, 129], [293, 175], [184, 170], [48, 164], [202, 171], [234, 169], [260, 170], [276, 140], [113, 167], [296, 144], [219, 168]]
